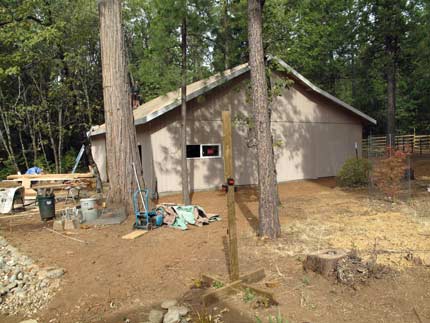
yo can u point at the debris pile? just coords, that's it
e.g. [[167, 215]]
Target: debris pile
[[352, 270], [24, 287]]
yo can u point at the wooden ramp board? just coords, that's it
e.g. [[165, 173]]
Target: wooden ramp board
[[134, 234]]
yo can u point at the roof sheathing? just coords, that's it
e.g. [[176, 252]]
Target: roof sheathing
[[165, 103]]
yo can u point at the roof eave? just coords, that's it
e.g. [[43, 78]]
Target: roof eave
[[151, 116], [322, 92]]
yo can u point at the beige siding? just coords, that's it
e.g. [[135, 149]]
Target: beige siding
[[98, 150], [313, 138]]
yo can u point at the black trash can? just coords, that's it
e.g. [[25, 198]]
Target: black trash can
[[46, 207]]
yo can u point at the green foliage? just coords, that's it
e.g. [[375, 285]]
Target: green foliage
[[6, 168], [249, 295], [217, 284], [273, 319], [354, 173], [69, 160]]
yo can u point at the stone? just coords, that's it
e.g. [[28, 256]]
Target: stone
[[28, 321], [172, 316], [169, 303], [54, 273], [156, 316], [181, 309], [11, 286], [20, 275]]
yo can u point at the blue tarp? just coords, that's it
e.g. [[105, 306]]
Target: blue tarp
[[34, 171]]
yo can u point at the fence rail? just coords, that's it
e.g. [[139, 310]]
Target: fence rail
[[416, 144]]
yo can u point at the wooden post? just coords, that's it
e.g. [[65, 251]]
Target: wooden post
[[228, 174]]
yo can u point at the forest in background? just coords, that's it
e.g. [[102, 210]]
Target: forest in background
[[50, 69]]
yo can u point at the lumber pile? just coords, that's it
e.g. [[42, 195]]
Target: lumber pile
[[29, 181]]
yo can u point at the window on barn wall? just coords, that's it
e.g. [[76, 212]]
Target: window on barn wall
[[204, 151], [193, 151]]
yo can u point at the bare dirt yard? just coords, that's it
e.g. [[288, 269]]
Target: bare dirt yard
[[114, 280]]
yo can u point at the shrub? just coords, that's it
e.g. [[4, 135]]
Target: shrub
[[389, 172], [354, 173]]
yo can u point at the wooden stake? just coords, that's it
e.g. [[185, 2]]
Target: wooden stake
[[228, 173]]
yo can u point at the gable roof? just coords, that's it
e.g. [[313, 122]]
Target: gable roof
[[165, 103]]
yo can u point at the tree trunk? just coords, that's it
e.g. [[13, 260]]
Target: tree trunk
[[391, 105], [23, 149], [60, 139], [226, 34], [43, 149], [53, 145], [32, 131], [184, 168], [121, 142], [268, 211]]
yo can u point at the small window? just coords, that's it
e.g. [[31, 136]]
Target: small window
[[193, 151], [211, 151], [204, 151]]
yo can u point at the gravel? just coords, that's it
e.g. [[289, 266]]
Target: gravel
[[24, 287]]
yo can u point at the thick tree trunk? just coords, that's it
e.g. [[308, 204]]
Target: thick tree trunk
[[184, 168], [391, 105], [121, 142], [268, 211]]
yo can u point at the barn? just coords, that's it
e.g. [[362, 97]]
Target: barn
[[314, 132]]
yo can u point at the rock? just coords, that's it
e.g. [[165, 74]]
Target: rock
[[11, 286], [169, 303], [20, 275], [28, 321], [24, 287], [172, 316], [181, 309], [155, 316], [54, 273]]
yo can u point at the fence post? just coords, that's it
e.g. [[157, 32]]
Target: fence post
[[421, 148]]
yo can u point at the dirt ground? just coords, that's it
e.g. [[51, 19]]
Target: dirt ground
[[110, 279]]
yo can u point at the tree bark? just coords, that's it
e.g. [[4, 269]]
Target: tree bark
[[184, 168], [121, 142], [51, 138], [23, 149], [268, 211], [391, 104], [60, 139]]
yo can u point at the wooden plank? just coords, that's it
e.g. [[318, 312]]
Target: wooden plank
[[208, 279], [261, 292], [52, 176], [253, 277], [215, 296], [134, 234], [228, 173]]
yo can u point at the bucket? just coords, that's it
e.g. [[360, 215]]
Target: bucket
[[46, 206], [88, 209]]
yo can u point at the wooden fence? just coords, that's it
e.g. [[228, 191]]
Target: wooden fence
[[416, 144]]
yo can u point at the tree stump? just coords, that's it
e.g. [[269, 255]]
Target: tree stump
[[325, 261]]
